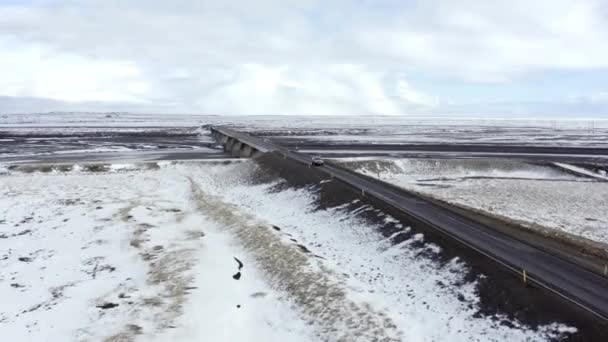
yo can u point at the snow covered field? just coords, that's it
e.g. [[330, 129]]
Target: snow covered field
[[93, 256], [531, 194], [22, 143], [385, 129], [196, 251], [99, 120]]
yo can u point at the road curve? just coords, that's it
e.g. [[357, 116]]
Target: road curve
[[584, 288]]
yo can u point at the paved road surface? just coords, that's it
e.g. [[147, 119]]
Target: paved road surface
[[462, 148], [104, 144], [539, 153], [118, 156]]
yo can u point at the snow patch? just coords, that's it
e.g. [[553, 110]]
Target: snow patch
[[576, 169], [530, 194]]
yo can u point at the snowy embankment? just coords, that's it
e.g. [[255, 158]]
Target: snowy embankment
[[583, 171], [530, 194], [195, 251]]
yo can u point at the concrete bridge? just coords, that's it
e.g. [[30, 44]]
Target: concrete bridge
[[238, 146]]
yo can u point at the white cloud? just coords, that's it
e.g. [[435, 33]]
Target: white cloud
[[317, 90], [599, 98], [595, 98], [493, 40], [273, 56], [32, 70], [413, 96]]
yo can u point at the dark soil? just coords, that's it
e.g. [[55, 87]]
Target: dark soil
[[106, 306]]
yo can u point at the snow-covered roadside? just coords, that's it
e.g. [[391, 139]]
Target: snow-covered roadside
[[530, 194], [582, 171], [413, 170], [424, 300], [124, 256]]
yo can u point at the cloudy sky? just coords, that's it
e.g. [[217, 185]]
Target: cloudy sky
[[391, 57]]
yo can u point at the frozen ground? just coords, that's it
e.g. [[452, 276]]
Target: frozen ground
[[148, 253], [125, 254], [99, 120], [531, 194], [22, 143], [350, 128]]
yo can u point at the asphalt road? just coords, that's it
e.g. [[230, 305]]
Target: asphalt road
[[571, 159], [574, 283], [474, 148], [118, 156], [539, 153], [104, 144]]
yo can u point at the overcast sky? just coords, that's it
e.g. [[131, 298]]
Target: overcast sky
[[391, 57]]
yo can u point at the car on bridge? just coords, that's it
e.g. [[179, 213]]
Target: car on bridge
[[317, 161]]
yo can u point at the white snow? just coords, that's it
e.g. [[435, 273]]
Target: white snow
[[223, 309], [122, 167], [91, 150], [531, 194], [161, 244], [129, 238], [583, 171]]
